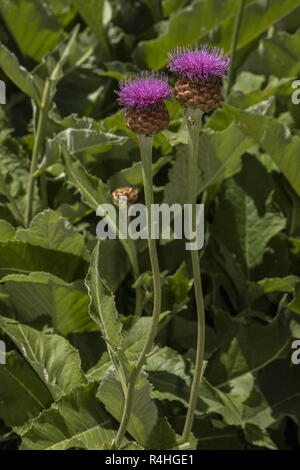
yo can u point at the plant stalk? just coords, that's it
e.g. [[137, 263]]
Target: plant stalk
[[136, 274], [38, 143], [234, 44], [194, 117], [146, 156]]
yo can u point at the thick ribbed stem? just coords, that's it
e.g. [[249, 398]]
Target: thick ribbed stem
[[146, 156], [194, 117], [136, 274]]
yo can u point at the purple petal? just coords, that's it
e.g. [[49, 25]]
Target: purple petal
[[144, 90], [200, 63]]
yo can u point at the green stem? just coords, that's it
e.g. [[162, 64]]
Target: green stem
[[234, 44], [38, 143], [194, 117], [136, 274], [146, 155]]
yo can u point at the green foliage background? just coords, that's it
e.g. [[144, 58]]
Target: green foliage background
[[249, 166]]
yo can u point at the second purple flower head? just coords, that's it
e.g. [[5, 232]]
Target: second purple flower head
[[200, 71], [143, 98]]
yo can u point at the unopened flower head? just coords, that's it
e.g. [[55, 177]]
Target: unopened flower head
[[200, 71], [142, 96], [202, 63], [126, 193]]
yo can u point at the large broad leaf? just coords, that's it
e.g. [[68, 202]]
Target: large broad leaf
[[133, 342], [162, 436], [171, 378], [249, 90], [274, 398], [50, 230], [92, 11], [144, 413], [23, 258], [18, 74], [94, 191], [22, 394], [7, 231], [94, 141], [171, 5], [78, 420], [66, 56], [102, 303], [277, 56], [217, 437], [38, 294], [275, 139], [87, 142], [257, 17], [219, 158], [248, 349], [44, 31], [52, 357], [279, 284], [133, 175], [246, 211], [200, 16]]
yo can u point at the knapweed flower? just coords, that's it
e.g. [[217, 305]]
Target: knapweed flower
[[142, 96], [127, 192], [200, 72]]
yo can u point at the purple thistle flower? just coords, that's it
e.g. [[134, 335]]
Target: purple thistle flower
[[198, 63], [144, 90]]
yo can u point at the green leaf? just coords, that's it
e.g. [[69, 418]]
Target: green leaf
[[171, 381], [144, 413], [215, 435], [259, 437], [277, 56], [133, 175], [236, 357], [131, 446], [258, 16], [39, 294], [78, 420], [162, 436], [279, 284], [102, 304], [170, 5], [273, 399], [135, 338], [52, 357], [19, 75], [219, 158], [247, 209], [94, 191], [44, 31], [92, 11], [7, 231], [67, 55], [201, 16], [49, 230], [87, 142], [22, 394], [133, 342], [23, 258], [275, 139], [294, 306], [248, 92]]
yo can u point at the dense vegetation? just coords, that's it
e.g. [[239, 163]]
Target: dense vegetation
[[58, 389]]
